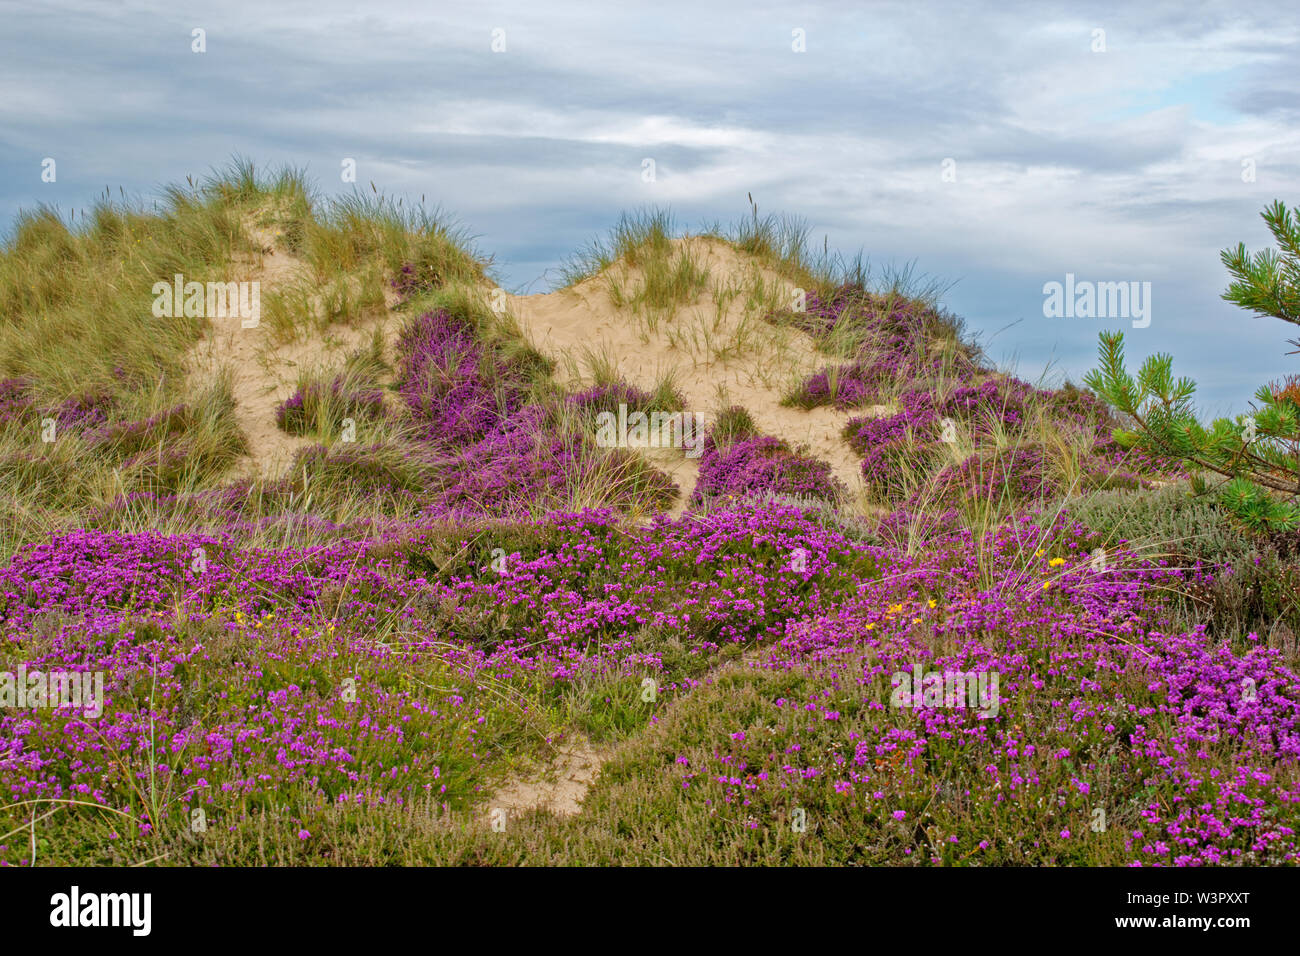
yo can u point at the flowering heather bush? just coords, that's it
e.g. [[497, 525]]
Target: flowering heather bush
[[85, 411], [894, 343], [128, 438], [821, 314], [526, 460], [898, 450], [607, 398], [76, 413], [1000, 400], [452, 386], [864, 380], [916, 417], [844, 387], [15, 399], [759, 464], [901, 451], [298, 413], [1070, 403]]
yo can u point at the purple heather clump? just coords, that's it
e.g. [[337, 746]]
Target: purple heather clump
[[607, 398], [995, 399], [848, 389], [87, 410], [916, 417], [1006, 475], [821, 314], [511, 466], [454, 388], [895, 336], [82, 412], [494, 454], [127, 438], [15, 399], [897, 450], [761, 464], [524, 460]]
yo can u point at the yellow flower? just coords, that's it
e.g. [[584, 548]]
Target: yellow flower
[[1038, 554], [932, 603], [1056, 562], [895, 608], [1046, 585], [871, 625], [916, 620]]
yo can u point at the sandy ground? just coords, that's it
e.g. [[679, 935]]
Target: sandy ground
[[559, 789]]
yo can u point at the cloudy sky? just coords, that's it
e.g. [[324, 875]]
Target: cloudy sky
[[1113, 142]]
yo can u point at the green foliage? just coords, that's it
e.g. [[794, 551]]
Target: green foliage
[[1269, 283], [1257, 455], [1252, 581]]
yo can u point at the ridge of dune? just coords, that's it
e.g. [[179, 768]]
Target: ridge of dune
[[717, 346], [720, 348]]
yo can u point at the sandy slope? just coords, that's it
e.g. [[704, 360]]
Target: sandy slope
[[722, 352], [264, 372], [718, 346], [559, 788]]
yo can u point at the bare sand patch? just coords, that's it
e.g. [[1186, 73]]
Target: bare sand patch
[[559, 788]]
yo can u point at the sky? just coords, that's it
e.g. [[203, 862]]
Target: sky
[[994, 147]]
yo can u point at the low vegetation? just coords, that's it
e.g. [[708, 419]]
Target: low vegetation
[[1015, 637]]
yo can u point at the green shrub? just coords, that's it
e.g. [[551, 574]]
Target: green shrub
[[1250, 581]]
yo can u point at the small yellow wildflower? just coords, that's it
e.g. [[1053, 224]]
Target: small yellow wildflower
[[1046, 585], [1056, 562], [1038, 554], [933, 604]]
